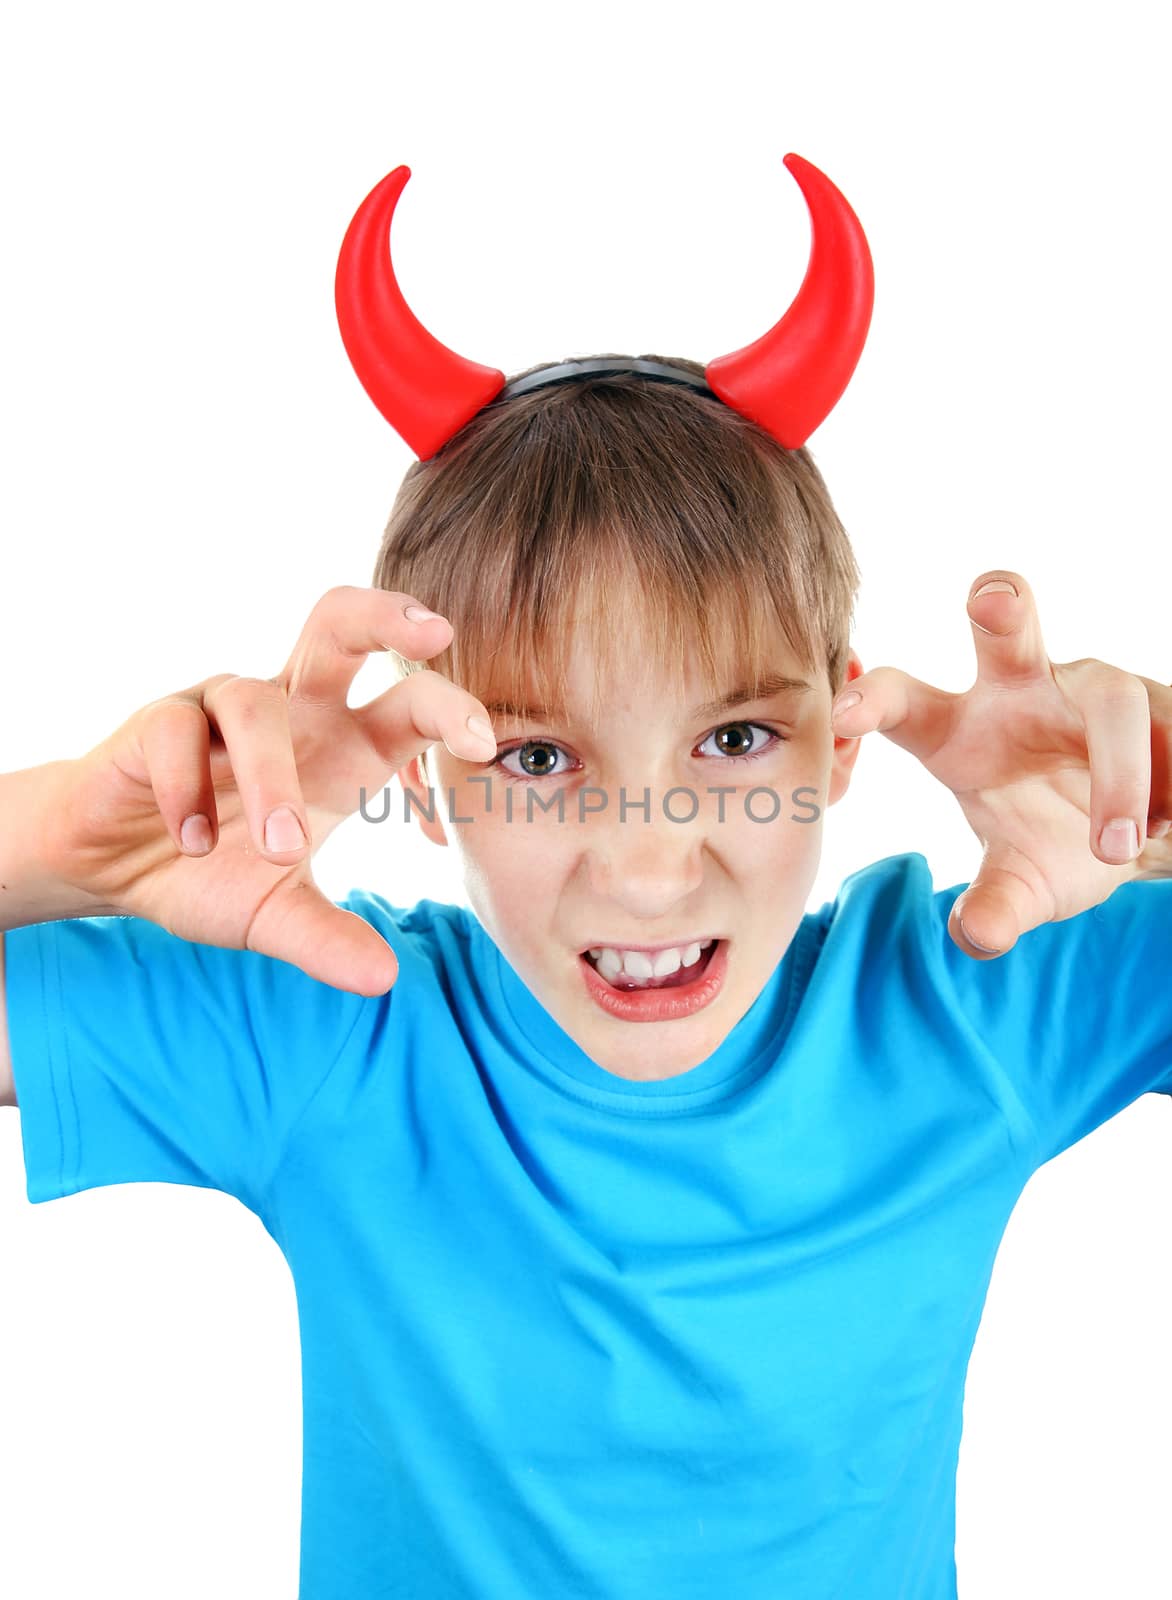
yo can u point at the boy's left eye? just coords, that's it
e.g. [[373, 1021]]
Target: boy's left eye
[[740, 749]]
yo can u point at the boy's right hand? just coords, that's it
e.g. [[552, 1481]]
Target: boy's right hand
[[236, 750]]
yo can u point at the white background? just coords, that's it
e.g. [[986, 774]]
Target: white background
[[190, 463]]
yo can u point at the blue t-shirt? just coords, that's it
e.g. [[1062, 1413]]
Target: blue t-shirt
[[567, 1335]]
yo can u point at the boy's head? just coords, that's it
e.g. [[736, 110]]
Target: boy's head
[[616, 555]]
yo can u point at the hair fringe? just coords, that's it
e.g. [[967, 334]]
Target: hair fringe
[[609, 504]]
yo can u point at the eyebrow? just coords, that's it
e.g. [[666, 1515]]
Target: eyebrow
[[771, 683]]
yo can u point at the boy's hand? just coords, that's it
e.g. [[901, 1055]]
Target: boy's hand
[[237, 750], [1040, 756]]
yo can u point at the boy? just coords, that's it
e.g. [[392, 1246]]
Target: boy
[[615, 1277]]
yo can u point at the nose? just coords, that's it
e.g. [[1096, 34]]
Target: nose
[[645, 867]]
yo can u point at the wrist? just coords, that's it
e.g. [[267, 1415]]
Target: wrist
[[30, 891]]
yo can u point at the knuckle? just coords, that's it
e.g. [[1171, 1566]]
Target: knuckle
[[431, 694], [171, 708], [247, 695], [174, 736], [215, 682], [334, 605], [425, 680], [1119, 688], [1095, 677], [876, 679], [340, 620], [344, 646]]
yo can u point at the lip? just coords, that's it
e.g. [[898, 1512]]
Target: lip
[[659, 1005], [647, 949]]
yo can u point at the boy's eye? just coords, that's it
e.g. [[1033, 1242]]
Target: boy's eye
[[542, 758], [732, 742], [537, 757]]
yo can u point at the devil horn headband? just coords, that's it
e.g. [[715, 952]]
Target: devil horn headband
[[787, 381]]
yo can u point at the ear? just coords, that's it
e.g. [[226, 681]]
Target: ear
[[846, 751], [415, 779]]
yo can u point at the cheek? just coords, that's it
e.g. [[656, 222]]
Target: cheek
[[465, 806], [767, 851], [780, 816], [514, 898], [512, 856]]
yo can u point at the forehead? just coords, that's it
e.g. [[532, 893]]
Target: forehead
[[588, 683]]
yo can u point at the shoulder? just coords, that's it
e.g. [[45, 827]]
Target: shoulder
[[887, 896], [430, 937], [426, 922]]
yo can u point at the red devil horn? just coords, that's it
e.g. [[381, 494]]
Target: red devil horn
[[792, 377], [424, 390]]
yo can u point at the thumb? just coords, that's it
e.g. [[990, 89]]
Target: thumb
[[973, 924], [298, 924], [997, 908]]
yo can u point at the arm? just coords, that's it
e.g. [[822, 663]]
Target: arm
[[7, 1087], [27, 893]]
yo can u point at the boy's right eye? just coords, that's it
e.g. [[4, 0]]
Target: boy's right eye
[[539, 745]]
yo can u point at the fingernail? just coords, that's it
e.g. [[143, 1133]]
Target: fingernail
[[283, 831], [196, 834], [845, 701], [419, 613], [995, 586], [482, 730], [986, 949], [1119, 840], [1157, 830]]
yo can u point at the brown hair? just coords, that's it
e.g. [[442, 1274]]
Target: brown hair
[[624, 502]]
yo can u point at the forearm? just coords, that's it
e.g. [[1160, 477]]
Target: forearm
[[29, 891]]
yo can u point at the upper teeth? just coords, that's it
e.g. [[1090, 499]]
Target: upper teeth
[[638, 964]]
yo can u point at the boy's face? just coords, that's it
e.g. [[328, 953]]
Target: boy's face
[[546, 883]]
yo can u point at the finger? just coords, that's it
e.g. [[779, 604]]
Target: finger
[[296, 923], [1007, 898], [423, 708], [913, 714], [176, 746], [251, 716], [1113, 708], [1160, 799], [345, 626], [1007, 633]]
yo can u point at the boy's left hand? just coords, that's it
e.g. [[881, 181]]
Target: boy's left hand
[[1041, 756]]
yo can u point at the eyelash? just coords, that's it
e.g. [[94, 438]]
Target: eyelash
[[516, 777]]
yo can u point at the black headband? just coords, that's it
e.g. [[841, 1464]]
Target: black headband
[[657, 370]]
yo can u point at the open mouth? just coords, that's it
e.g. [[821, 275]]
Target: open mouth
[[679, 979]]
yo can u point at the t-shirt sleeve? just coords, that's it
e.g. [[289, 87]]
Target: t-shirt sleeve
[[141, 1057], [1078, 1014]]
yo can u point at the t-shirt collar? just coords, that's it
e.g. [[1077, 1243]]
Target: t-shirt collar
[[544, 1047]]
